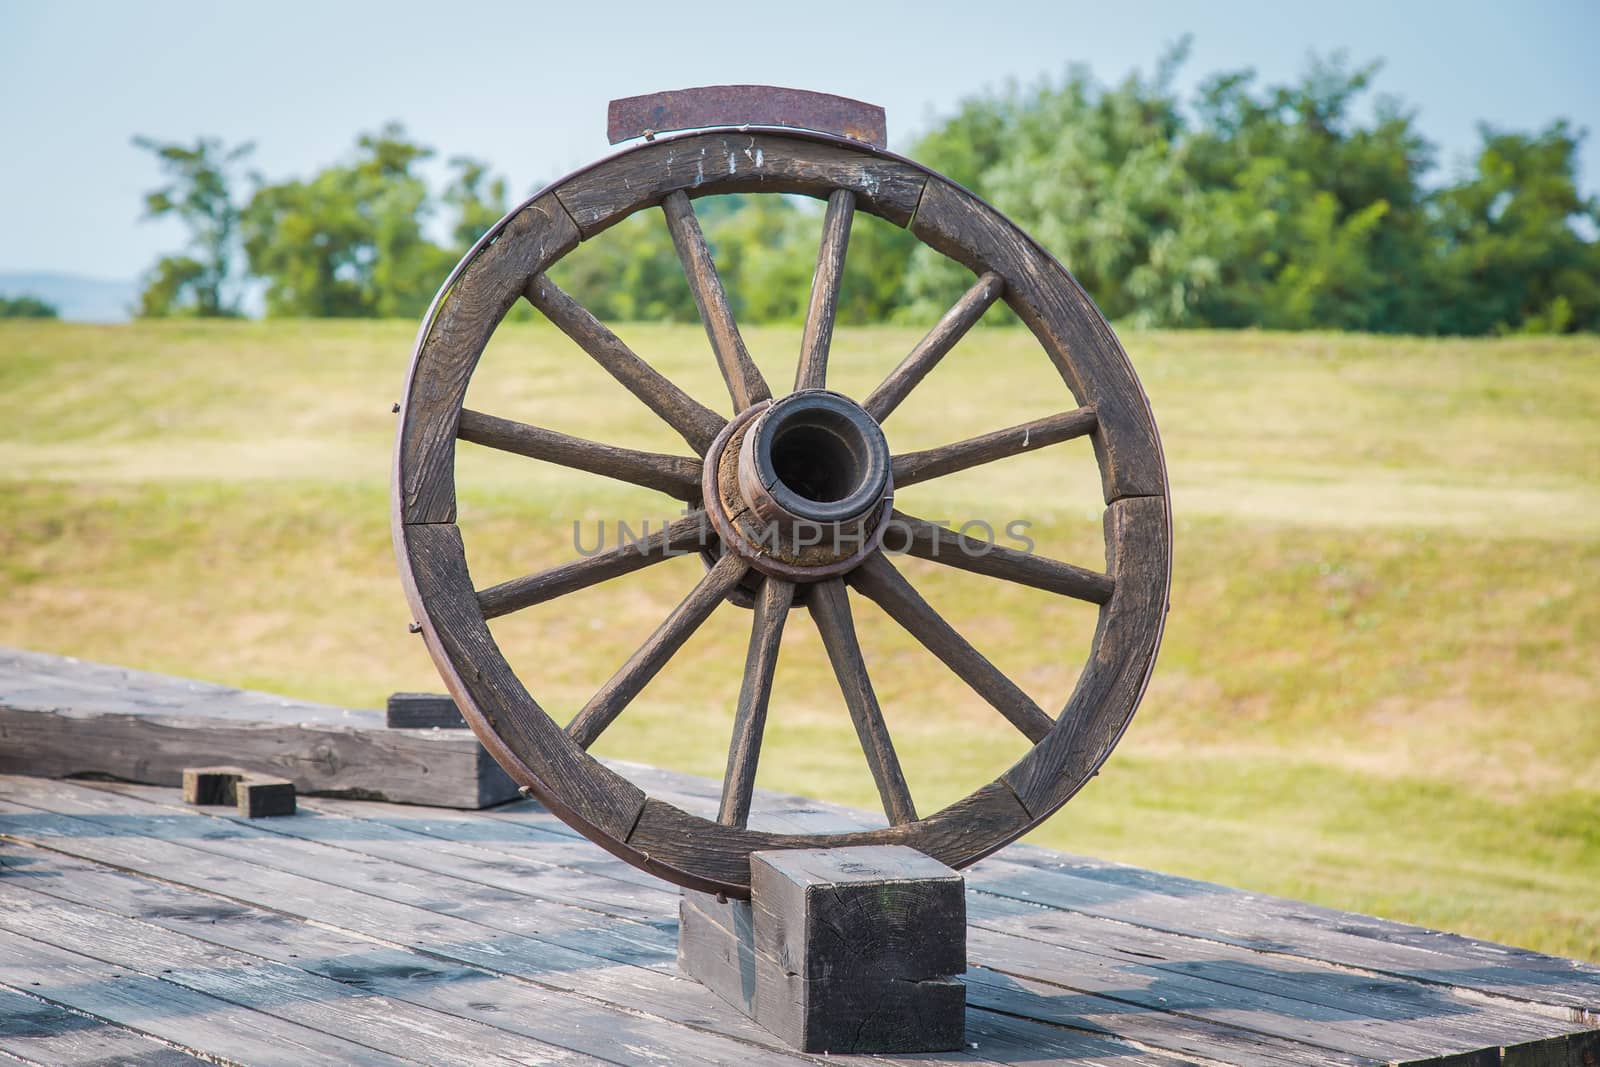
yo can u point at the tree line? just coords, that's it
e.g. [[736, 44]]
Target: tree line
[[1316, 204]]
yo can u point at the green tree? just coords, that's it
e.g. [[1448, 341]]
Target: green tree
[[199, 194], [1511, 253], [349, 241], [478, 199], [26, 307]]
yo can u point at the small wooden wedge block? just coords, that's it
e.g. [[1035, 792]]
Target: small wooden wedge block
[[416, 711], [838, 950], [255, 795]]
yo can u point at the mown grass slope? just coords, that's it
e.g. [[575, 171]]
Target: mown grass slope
[[1379, 689]]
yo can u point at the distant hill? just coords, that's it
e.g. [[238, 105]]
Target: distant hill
[[78, 298]]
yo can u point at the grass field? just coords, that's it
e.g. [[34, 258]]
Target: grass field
[[1379, 689]]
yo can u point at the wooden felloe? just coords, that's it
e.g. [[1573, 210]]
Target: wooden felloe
[[737, 488], [838, 950]]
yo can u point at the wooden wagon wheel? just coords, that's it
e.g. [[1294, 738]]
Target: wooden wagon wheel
[[765, 482]]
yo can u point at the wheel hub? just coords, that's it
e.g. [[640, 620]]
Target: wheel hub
[[800, 487]]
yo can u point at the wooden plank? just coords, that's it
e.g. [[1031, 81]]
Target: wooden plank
[[394, 908], [173, 1013], [559, 963], [1349, 1014], [1193, 913], [1563, 989], [598, 197], [1104, 948], [61, 717], [239, 878], [503, 1016], [282, 991], [452, 340], [37, 1031]]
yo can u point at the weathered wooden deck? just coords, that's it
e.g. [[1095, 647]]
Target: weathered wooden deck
[[135, 929]]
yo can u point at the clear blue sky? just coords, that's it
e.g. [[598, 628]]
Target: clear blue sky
[[524, 85]]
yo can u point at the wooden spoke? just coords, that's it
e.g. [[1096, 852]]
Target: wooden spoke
[[878, 579], [745, 383], [688, 534], [604, 707], [813, 370], [830, 607], [749, 722], [677, 476], [913, 467], [932, 348], [694, 422], [927, 540]]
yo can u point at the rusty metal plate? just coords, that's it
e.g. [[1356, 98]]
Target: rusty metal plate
[[746, 105]]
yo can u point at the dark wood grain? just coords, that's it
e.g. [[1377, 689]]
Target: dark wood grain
[[677, 476], [604, 707], [144, 727], [694, 422], [913, 467], [812, 372], [1138, 531], [930, 541], [256, 796], [473, 935], [422, 711], [543, 973], [1067, 324], [755, 691], [688, 534], [726, 162], [268, 997], [452, 340], [858, 950], [830, 607], [877, 579], [41, 1031], [512, 726], [950, 328], [745, 383]]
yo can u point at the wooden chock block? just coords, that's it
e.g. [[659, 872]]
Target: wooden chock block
[[255, 795], [838, 950], [413, 711]]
